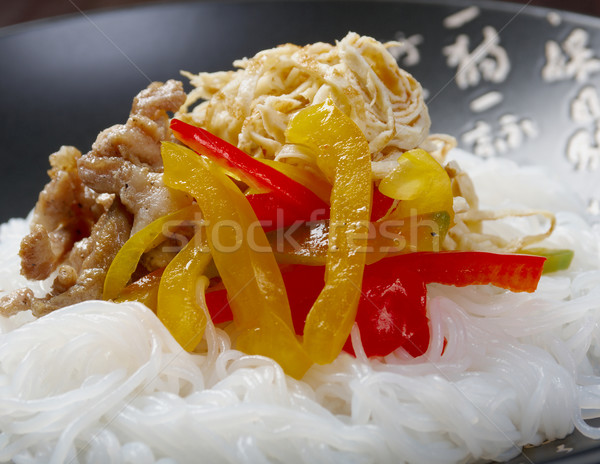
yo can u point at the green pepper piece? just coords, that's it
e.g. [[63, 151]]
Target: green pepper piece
[[556, 259]]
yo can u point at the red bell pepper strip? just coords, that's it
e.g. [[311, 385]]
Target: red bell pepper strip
[[380, 205], [392, 308], [295, 200], [514, 272], [392, 313]]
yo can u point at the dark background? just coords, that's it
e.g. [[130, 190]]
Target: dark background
[[18, 11], [64, 81]]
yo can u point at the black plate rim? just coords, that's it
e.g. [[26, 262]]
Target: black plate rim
[[488, 5]]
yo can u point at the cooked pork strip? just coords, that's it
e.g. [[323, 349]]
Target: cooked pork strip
[[65, 212], [108, 236], [73, 229], [125, 159], [139, 188]]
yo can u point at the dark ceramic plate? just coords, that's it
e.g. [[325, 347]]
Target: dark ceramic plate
[[506, 80]]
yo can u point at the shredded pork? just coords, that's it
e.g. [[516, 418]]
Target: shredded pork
[[125, 159], [94, 202]]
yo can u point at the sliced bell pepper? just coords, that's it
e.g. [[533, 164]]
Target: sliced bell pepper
[[392, 313], [128, 257], [294, 199], [308, 243], [342, 154], [315, 183], [243, 257], [421, 183], [392, 308], [143, 290], [514, 272], [381, 205], [177, 306], [218, 304], [556, 259]]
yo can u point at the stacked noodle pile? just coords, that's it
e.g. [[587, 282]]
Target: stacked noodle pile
[[100, 382]]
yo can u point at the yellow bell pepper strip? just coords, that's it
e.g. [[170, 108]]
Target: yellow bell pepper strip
[[143, 290], [177, 306], [556, 259], [308, 243], [421, 183], [243, 257], [128, 257], [342, 154], [291, 197]]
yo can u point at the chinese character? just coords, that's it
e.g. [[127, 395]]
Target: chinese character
[[583, 149], [585, 107], [593, 207], [462, 17], [407, 49], [481, 139], [488, 60], [511, 134], [563, 449], [571, 59]]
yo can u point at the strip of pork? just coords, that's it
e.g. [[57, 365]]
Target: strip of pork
[[73, 221], [125, 159], [84, 278]]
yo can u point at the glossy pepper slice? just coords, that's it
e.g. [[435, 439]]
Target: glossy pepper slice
[[291, 197], [556, 259], [392, 314], [128, 257], [421, 183], [177, 306], [392, 308], [514, 272], [308, 243], [381, 205], [342, 154], [312, 181], [143, 290], [243, 257]]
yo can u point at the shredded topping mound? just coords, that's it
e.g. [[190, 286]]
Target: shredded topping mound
[[251, 107]]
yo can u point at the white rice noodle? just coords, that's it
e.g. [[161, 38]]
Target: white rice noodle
[[105, 383]]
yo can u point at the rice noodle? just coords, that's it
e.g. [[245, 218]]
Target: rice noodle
[[101, 382]]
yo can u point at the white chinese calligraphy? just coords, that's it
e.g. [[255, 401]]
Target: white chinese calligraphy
[[554, 18], [571, 59], [585, 107], [563, 449], [512, 132], [486, 101], [406, 51], [583, 148], [488, 61], [462, 17]]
